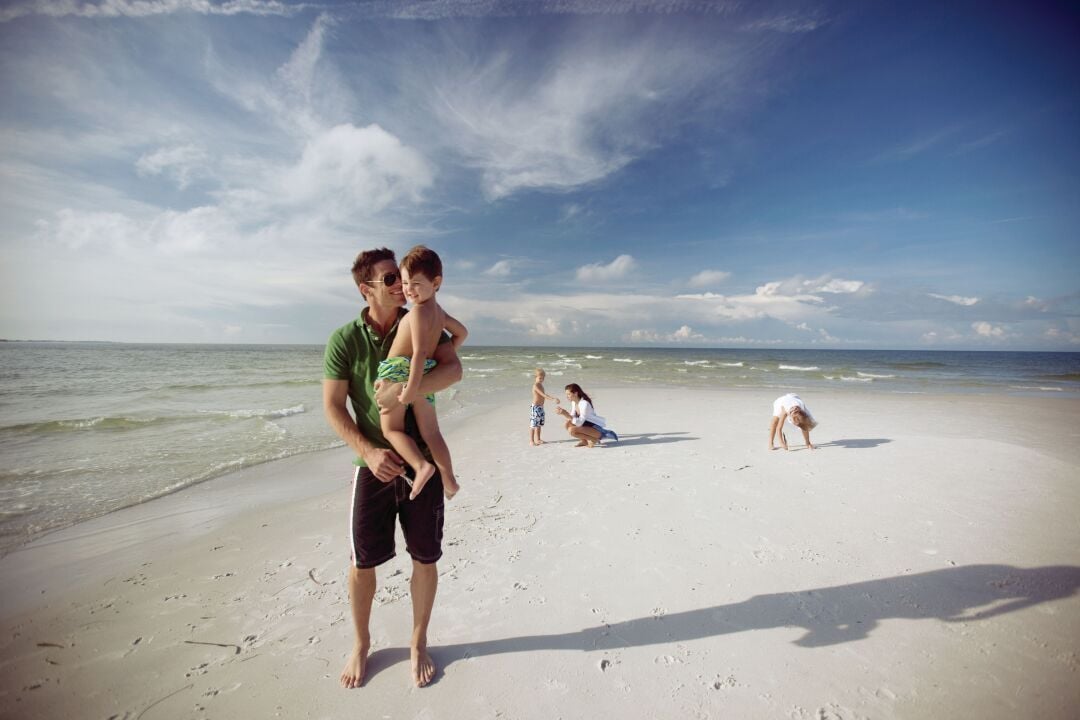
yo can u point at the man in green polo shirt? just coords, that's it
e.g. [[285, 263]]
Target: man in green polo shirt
[[380, 489]]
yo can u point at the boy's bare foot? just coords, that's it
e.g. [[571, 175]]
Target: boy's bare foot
[[352, 675], [423, 474], [450, 487], [423, 667]]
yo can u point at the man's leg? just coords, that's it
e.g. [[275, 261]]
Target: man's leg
[[424, 583], [361, 595]]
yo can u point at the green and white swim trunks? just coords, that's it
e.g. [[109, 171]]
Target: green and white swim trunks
[[396, 369]]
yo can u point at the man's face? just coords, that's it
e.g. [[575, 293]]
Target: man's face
[[418, 287], [381, 293]]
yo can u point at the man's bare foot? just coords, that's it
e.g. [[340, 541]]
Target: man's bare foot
[[352, 675], [423, 474], [423, 667], [450, 487]]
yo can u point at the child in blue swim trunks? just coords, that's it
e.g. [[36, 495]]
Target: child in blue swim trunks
[[407, 362]]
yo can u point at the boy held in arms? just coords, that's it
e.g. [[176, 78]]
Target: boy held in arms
[[407, 362], [536, 412]]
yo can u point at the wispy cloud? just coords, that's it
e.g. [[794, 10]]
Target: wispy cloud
[[147, 8], [500, 269], [917, 146], [184, 163], [956, 299], [432, 10], [597, 105], [790, 24]]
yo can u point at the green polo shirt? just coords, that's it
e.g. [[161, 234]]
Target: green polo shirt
[[353, 353]]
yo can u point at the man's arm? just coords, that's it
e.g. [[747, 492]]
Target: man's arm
[[447, 371], [383, 463]]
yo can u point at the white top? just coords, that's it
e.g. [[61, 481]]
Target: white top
[[582, 411], [785, 403]]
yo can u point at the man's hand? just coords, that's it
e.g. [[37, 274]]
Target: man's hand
[[384, 464], [386, 395], [408, 396]]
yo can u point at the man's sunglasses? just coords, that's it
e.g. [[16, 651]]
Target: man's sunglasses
[[389, 279]]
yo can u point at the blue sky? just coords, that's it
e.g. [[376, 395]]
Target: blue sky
[[801, 174]]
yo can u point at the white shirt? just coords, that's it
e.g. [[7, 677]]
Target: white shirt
[[582, 412], [784, 403]]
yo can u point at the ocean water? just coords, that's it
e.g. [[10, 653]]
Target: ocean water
[[88, 428]]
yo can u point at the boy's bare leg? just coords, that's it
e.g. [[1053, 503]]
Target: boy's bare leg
[[428, 422], [361, 593], [393, 427], [422, 587]]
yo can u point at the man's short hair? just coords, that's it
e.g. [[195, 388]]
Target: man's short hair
[[366, 261], [424, 261]]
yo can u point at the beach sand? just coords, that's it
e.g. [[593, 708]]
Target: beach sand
[[923, 563]]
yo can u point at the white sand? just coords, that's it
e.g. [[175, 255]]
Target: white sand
[[923, 563]]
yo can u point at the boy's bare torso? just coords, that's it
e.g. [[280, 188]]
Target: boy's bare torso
[[538, 393], [431, 319]]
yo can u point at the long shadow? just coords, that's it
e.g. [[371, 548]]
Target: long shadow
[[651, 439], [855, 443], [830, 615]]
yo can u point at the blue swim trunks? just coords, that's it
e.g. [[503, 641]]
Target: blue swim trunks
[[536, 416], [396, 369]]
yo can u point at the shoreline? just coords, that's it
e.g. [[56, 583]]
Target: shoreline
[[686, 569]]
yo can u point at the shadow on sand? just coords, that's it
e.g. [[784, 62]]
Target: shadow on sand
[[855, 443], [651, 439], [829, 616]]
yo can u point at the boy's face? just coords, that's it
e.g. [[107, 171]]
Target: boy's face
[[540, 376], [419, 288]]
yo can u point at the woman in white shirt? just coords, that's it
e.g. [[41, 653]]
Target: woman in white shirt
[[582, 422], [793, 409]]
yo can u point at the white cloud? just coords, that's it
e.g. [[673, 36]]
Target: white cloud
[[502, 268], [618, 268], [546, 328], [1036, 304], [685, 333], [709, 278], [839, 287], [183, 163], [349, 170], [985, 329], [956, 299], [798, 286]]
